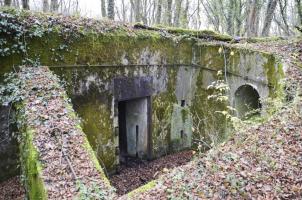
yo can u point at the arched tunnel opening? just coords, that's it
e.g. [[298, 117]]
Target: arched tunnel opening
[[247, 102]]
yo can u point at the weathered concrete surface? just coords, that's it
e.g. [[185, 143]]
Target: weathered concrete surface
[[9, 149], [253, 67], [127, 88], [181, 128], [168, 86], [186, 84], [137, 127]]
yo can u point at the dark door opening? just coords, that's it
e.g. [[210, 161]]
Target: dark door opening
[[122, 129], [247, 102], [133, 117]]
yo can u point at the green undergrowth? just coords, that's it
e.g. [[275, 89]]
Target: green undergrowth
[[142, 189]]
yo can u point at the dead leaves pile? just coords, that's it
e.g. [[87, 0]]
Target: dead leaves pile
[[263, 162], [58, 139], [12, 189], [137, 174]]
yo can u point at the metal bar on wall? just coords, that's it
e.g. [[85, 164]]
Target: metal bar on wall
[[163, 65]]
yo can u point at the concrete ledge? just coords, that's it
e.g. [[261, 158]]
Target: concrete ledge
[[57, 159]]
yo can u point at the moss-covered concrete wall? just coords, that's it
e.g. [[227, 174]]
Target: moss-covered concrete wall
[[178, 73], [181, 69]]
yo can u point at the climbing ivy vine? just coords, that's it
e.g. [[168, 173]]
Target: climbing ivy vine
[[18, 27], [10, 91], [14, 31]]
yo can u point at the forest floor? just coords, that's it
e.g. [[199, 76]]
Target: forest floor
[[289, 50], [138, 173], [263, 161], [12, 189]]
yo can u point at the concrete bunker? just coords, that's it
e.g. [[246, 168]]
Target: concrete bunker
[[142, 97], [247, 101]]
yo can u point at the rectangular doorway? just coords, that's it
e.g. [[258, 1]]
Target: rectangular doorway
[[134, 128]]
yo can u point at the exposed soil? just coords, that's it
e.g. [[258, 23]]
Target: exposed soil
[[12, 189], [138, 172]]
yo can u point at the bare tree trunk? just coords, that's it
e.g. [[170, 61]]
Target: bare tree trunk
[[144, 12], [123, 11], [77, 6], [132, 16], [111, 9], [169, 13], [103, 8], [45, 6], [239, 17], [159, 11], [136, 9], [177, 12], [7, 2], [230, 17], [283, 8], [153, 12], [198, 15], [299, 7], [282, 27], [222, 9], [16, 3], [270, 10], [54, 5], [184, 16], [25, 4], [210, 13], [252, 20]]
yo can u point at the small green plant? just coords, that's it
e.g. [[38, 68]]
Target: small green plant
[[10, 90], [218, 95], [93, 192]]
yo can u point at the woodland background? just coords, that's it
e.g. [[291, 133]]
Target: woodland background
[[250, 18]]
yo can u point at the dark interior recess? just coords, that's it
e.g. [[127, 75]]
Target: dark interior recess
[[136, 136], [122, 130], [183, 103], [181, 134], [247, 102]]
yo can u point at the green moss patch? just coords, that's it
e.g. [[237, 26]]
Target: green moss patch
[[31, 166], [203, 34], [142, 189]]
